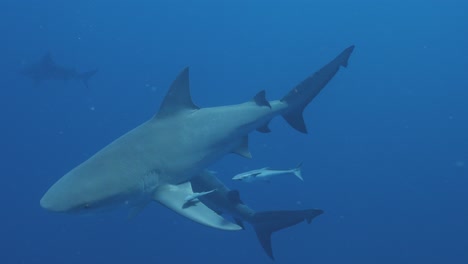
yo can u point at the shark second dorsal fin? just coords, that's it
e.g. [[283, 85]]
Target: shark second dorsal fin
[[243, 148], [260, 99], [178, 97]]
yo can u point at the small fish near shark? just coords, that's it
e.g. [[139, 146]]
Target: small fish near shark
[[226, 201], [160, 159], [265, 174], [47, 70], [194, 198]]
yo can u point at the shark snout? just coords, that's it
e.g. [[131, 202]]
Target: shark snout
[[58, 198], [50, 204]]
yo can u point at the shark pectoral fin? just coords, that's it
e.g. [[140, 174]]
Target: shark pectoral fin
[[243, 148], [172, 196]]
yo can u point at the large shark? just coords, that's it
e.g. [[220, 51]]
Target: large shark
[[156, 160], [226, 201], [46, 69]]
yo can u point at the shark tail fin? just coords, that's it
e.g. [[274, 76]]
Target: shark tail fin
[[297, 171], [85, 76], [265, 223], [301, 95]]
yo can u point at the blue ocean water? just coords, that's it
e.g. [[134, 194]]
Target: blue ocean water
[[386, 155]]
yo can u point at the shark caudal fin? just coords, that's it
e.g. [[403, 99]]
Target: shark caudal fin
[[265, 223], [301, 95], [85, 76], [297, 171]]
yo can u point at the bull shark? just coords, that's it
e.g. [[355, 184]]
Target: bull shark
[[46, 69], [226, 201], [265, 174], [156, 160]]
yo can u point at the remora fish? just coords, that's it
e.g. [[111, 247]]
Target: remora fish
[[156, 160], [197, 195], [265, 174], [228, 201]]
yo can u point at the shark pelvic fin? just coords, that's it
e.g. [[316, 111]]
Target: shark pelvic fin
[[178, 97], [243, 148], [172, 196], [260, 99]]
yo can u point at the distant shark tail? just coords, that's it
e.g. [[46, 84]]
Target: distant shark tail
[[297, 171], [85, 76], [299, 97], [266, 223]]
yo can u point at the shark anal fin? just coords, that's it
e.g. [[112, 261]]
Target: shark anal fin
[[178, 97], [234, 197], [260, 99], [264, 128], [243, 148], [172, 196]]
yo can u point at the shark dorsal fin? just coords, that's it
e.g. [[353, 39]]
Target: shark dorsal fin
[[178, 97]]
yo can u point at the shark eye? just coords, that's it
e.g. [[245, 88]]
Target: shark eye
[[86, 206]]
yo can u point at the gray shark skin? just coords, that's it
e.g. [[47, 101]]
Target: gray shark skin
[[156, 160], [226, 201], [47, 70]]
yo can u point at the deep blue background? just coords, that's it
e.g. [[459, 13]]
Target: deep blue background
[[386, 156]]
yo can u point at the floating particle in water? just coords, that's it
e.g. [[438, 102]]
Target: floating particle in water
[[92, 108], [460, 164]]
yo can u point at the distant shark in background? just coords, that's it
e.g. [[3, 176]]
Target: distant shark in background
[[265, 174], [46, 69], [226, 201], [157, 160]]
